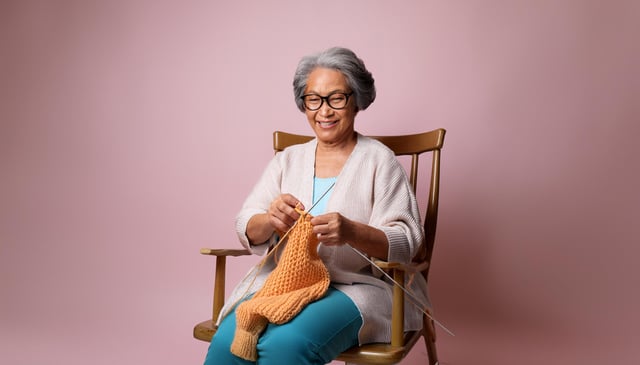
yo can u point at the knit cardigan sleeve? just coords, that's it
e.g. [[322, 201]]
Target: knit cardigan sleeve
[[289, 171], [395, 212], [374, 189], [257, 202]]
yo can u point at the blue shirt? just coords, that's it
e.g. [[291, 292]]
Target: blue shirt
[[320, 187]]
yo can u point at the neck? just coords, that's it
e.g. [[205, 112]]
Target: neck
[[331, 157], [341, 146]]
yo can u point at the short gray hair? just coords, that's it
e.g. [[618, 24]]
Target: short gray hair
[[344, 60]]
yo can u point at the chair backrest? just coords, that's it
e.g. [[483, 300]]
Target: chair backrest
[[402, 145]]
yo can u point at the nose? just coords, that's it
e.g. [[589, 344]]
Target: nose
[[325, 109]]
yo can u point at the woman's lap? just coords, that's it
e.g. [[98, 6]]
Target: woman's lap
[[321, 331]]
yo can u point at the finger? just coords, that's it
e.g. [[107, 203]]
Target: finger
[[319, 220], [288, 218], [318, 229], [292, 201], [287, 207], [280, 219], [278, 224], [282, 208]]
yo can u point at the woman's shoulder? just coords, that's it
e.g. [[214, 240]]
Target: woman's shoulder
[[372, 146], [296, 151]]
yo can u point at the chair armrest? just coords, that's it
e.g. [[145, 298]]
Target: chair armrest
[[224, 252], [219, 280], [397, 310], [410, 267]]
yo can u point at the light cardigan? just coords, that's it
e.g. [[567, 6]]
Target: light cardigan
[[372, 188]]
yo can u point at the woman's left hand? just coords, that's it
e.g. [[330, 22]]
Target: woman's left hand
[[332, 229]]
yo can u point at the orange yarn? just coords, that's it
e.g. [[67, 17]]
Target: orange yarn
[[299, 279]]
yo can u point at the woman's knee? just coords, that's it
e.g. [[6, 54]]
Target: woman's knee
[[283, 348]]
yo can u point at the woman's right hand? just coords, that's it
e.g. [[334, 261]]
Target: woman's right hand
[[282, 214]]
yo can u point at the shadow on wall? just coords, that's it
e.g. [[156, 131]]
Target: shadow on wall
[[465, 282]]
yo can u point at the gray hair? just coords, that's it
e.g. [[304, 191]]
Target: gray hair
[[344, 60]]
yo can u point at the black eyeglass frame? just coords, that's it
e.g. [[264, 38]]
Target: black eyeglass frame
[[326, 98]]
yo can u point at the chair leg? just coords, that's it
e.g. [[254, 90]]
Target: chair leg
[[430, 341]]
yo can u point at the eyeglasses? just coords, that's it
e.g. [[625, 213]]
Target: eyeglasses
[[337, 100]]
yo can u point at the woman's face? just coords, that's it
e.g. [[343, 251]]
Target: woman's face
[[330, 125]]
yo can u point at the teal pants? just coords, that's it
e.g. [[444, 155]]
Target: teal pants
[[319, 333]]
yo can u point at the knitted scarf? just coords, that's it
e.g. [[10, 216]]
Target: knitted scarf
[[299, 279]]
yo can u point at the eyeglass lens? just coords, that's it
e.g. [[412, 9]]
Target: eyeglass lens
[[335, 101]]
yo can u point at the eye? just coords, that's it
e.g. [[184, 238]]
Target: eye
[[337, 98]]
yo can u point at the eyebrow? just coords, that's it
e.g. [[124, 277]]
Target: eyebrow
[[330, 93]]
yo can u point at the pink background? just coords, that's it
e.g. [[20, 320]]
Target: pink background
[[118, 163]]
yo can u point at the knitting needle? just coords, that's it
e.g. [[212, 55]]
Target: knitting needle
[[321, 196], [308, 210], [411, 296], [416, 300], [275, 247], [258, 267]]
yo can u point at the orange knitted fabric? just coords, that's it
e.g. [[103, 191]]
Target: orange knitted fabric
[[299, 278]]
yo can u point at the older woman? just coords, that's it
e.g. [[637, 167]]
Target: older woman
[[361, 200]]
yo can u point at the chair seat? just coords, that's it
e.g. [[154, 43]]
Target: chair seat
[[374, 353], [380, 353]]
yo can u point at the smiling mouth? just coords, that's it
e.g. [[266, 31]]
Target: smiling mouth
[[327, 124]]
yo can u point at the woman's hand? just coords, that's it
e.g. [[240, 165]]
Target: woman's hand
[[282, 214], [333, 229]]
